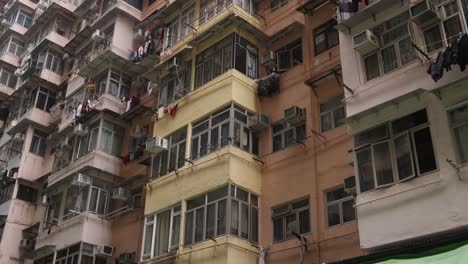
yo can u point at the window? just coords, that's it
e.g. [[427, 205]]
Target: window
[[332, 113], [23, 19], [290, 55], [446, 30], [285, 135], [276, 4], [111, 138], [42, 99], [26, 193], [16, 47], [75, 201], [174, 158], [98, 201], [340, 208], [291, 218], [207, 215], [325, 37], [396, 49], [179, 27], [459, 124], [53, 210], [53, 62], [219, 58], [38, 143], [7, 78], [176, 85], [68, 255], [161, 233], [394, 152], [119, 83], [214, 132]]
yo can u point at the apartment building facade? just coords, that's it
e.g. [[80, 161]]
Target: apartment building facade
[[73, 158], [408, 123], [239, 176]]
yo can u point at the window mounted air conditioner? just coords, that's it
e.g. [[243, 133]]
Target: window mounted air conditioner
[[258, 122], [19, 72], [81, 180], [350, 185], [27, 244], [80, 130], [423, 13], [294, 115], [98, 36], [120, 194], [365, 42], [269, 57], [156, 145], [172, 63], [19, 137], [106, 250]]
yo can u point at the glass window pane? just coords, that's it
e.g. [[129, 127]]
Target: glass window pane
[[278, 229], [433, 38], [383, 164], [407, 52], [148, 239], [403, 157], [461, 136], [221, 220], [199, 224], [163, 223], [348, 211], [334, 215], [452, 28], [371, 64], [235, 218], [291, 225], [93, 200], [339, 116], [304, 222], [189, 225], [424, 150], [102, 202], [325, 122], [254, 224], [365, 169], [175, 230], [277, 143], [389, 59], [210, 220], [244, 220]]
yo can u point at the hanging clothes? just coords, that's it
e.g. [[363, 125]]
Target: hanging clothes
[[436, 69], [463, 52]]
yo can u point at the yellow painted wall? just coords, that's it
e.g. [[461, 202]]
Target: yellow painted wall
[[229, 164], [230, 86]]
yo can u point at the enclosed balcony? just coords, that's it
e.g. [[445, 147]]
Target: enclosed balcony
[[31, 108], [47, 10], [7, 81], [57, 30], [11, 51], [14, 4], [94, 147], [16, 20], [187, 31]]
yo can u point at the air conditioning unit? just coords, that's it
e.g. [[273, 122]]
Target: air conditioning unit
[[258, 122], [157, 144], [80, 130], [294, 115], [365, 42], [350, 185], [127, 258], [5, 22], [19, 72], [27, 244], [121, 194], [172, 63], [269, 57], [81, 180], [19, 137], [98, 36], [423, 13], [106, 250]]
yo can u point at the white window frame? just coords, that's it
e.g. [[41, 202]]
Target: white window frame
[[338, 202]]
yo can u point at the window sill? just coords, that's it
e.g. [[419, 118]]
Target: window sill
[[341, 225]]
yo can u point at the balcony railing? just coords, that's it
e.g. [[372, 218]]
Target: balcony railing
[[85, 59]]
